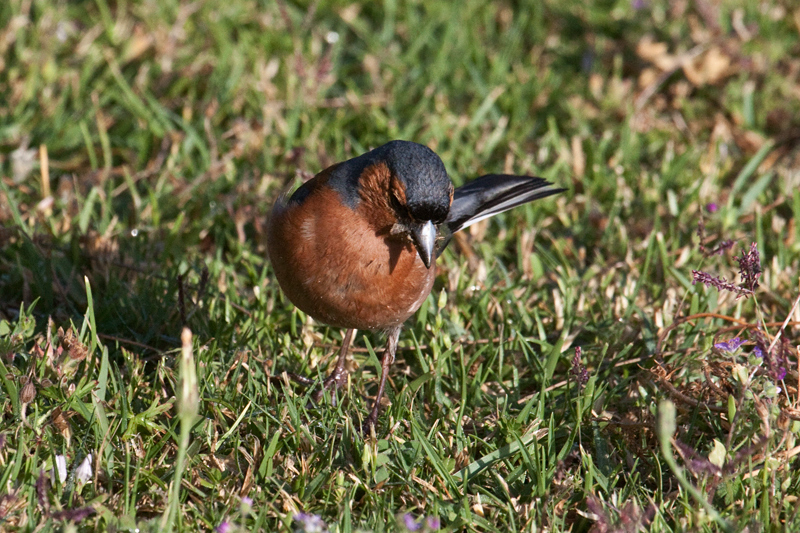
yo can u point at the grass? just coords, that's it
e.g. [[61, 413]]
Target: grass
[[141, 146]]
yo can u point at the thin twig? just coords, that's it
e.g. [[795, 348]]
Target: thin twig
[[783, 326], [688, 399], [127, 341]]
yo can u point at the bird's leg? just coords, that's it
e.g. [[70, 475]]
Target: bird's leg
[[386, 361], [338, 377]]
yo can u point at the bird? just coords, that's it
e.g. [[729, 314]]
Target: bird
[[355, 246]]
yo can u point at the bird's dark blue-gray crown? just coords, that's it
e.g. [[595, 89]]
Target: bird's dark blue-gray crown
[[427, 185]]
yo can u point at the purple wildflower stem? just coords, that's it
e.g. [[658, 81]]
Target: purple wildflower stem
[[721, 284]]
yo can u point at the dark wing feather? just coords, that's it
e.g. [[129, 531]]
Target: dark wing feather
[[490, 195]]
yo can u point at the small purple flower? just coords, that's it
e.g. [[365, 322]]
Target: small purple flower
[[776, 359], [729, 346], [587, 60], [41, 491], [83, 474], [224, 527], [712, 207], [59, 468], [433, 523], [309, 523], [750, 267], [76, 515], [247, 505], [410, 522], [638, 5], [696, 463], [578, 370]]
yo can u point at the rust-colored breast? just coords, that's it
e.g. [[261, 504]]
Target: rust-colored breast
[[334, 264]]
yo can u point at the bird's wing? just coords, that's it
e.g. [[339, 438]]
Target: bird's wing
[[492, 194]]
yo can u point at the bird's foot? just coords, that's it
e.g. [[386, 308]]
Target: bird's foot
[[336, 381], [370, 426]]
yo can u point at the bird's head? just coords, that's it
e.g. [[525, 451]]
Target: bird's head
[[418, 193]]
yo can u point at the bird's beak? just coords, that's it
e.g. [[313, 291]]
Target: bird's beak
[[424, 237]]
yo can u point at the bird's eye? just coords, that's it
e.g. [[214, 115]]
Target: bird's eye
[[398, 207]]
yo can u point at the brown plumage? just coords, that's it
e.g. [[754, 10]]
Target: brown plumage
[[344, 267]]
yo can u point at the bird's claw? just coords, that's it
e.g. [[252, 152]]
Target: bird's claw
[[370, 425], [336, 381]]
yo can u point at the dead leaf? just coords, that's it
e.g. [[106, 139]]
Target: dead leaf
[[656, 53], [708, 68], [647, 77]]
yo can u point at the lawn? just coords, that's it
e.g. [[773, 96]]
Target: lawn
[[620, 357]]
